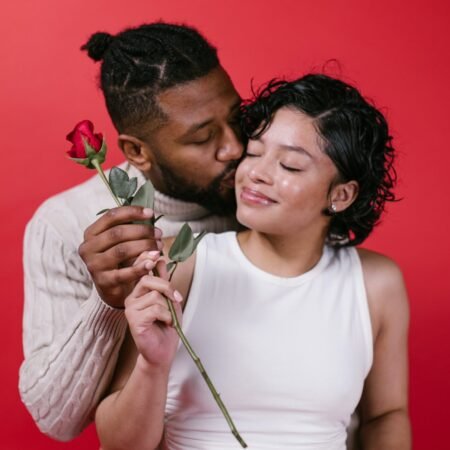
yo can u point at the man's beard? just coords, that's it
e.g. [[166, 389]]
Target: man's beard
[[209, 197]]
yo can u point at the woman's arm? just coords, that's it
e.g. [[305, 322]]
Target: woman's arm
[[132, 416], [384, 404]]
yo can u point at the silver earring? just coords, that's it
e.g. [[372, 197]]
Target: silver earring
[[333, 208]]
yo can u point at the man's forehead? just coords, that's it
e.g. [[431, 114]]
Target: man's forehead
[[200, 99]]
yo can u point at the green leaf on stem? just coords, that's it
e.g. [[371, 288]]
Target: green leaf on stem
[[119, 182], [198, 238], [185, 244], [145, 196], [170, 266], [84, 162], [132, 185]]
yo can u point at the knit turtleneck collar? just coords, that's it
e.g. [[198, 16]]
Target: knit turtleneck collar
[[172, 208]]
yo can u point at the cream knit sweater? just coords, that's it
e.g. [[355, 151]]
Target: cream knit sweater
[[71, 337]]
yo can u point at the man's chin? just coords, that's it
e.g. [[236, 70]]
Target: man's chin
[[220, 205]]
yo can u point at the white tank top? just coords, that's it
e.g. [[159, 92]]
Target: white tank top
[[287, 355]]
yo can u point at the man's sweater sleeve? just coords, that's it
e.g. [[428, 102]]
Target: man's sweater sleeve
[[71, 337]]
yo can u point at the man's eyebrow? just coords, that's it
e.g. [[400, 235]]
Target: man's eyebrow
[[197, 126]]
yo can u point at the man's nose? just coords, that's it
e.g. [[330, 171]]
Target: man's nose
[[231, 147]]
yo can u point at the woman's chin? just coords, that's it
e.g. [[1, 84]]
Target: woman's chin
[[252, 223], [243, 218]]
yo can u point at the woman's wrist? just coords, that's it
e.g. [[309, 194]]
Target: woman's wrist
[[149, 369]]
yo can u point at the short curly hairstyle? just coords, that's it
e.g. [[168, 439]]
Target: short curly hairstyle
[[355, 136]]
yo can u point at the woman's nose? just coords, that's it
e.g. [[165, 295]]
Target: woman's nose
[[261, 171]]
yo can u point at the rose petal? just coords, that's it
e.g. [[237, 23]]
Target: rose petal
[[85, 126], [69, 137], [96, 141], [78, 145], [73, 153], [84, 132]]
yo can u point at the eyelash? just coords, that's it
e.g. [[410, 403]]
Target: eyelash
[[205, 141], [234, 123], [289, 169]]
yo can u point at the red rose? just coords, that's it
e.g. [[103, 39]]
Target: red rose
[[84, 131]]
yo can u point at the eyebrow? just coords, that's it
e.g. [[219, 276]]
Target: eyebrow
[[298, 149], [197, 126], [292, 148]]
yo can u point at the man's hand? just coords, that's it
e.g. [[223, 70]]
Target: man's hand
[[111, 245]]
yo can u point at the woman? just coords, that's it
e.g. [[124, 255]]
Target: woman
[[294, 325]]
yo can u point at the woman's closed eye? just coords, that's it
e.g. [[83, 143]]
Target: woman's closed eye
[[290, 168]]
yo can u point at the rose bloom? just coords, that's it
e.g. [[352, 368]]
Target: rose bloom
[[84, 130]]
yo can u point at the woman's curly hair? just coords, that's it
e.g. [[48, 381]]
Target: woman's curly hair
[[355, 136]]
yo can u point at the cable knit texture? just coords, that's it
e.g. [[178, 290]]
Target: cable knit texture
[[71, 337]]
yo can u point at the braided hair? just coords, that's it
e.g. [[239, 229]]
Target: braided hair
[[138, 63], [355, 136]]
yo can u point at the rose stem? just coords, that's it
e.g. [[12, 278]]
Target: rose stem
[[97, 165], [202, 370]]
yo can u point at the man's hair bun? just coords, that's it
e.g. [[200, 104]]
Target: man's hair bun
[[97, 45]]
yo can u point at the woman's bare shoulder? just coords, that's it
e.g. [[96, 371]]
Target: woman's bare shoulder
[[379, 267], [385, 287]]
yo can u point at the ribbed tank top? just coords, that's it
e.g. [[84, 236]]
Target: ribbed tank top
[[288, 355]]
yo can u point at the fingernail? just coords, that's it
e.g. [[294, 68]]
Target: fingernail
[[148, 212], [160, 245], [154, 254], [157, 233], [177, 296]]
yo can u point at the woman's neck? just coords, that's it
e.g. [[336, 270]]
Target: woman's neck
[[284, 256]]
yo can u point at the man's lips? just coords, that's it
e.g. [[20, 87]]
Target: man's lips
[[254, 197], [228, 180]]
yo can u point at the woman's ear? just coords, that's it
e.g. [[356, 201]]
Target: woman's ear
[[343, 195], [136, 152]]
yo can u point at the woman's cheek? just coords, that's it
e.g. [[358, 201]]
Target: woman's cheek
[[240, 172], [290, 187]]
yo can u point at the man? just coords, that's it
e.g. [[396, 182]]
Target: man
[[176, 112]]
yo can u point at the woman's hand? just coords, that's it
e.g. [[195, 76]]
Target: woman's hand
[[149, 317]]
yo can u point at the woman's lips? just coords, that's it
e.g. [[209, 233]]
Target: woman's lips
[[255, 198]]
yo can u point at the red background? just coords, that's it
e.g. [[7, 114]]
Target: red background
[[396, 52]]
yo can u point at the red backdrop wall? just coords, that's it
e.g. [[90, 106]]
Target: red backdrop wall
[[396, 52]]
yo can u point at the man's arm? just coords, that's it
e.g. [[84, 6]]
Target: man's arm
[[71, 336], [384, 404]]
